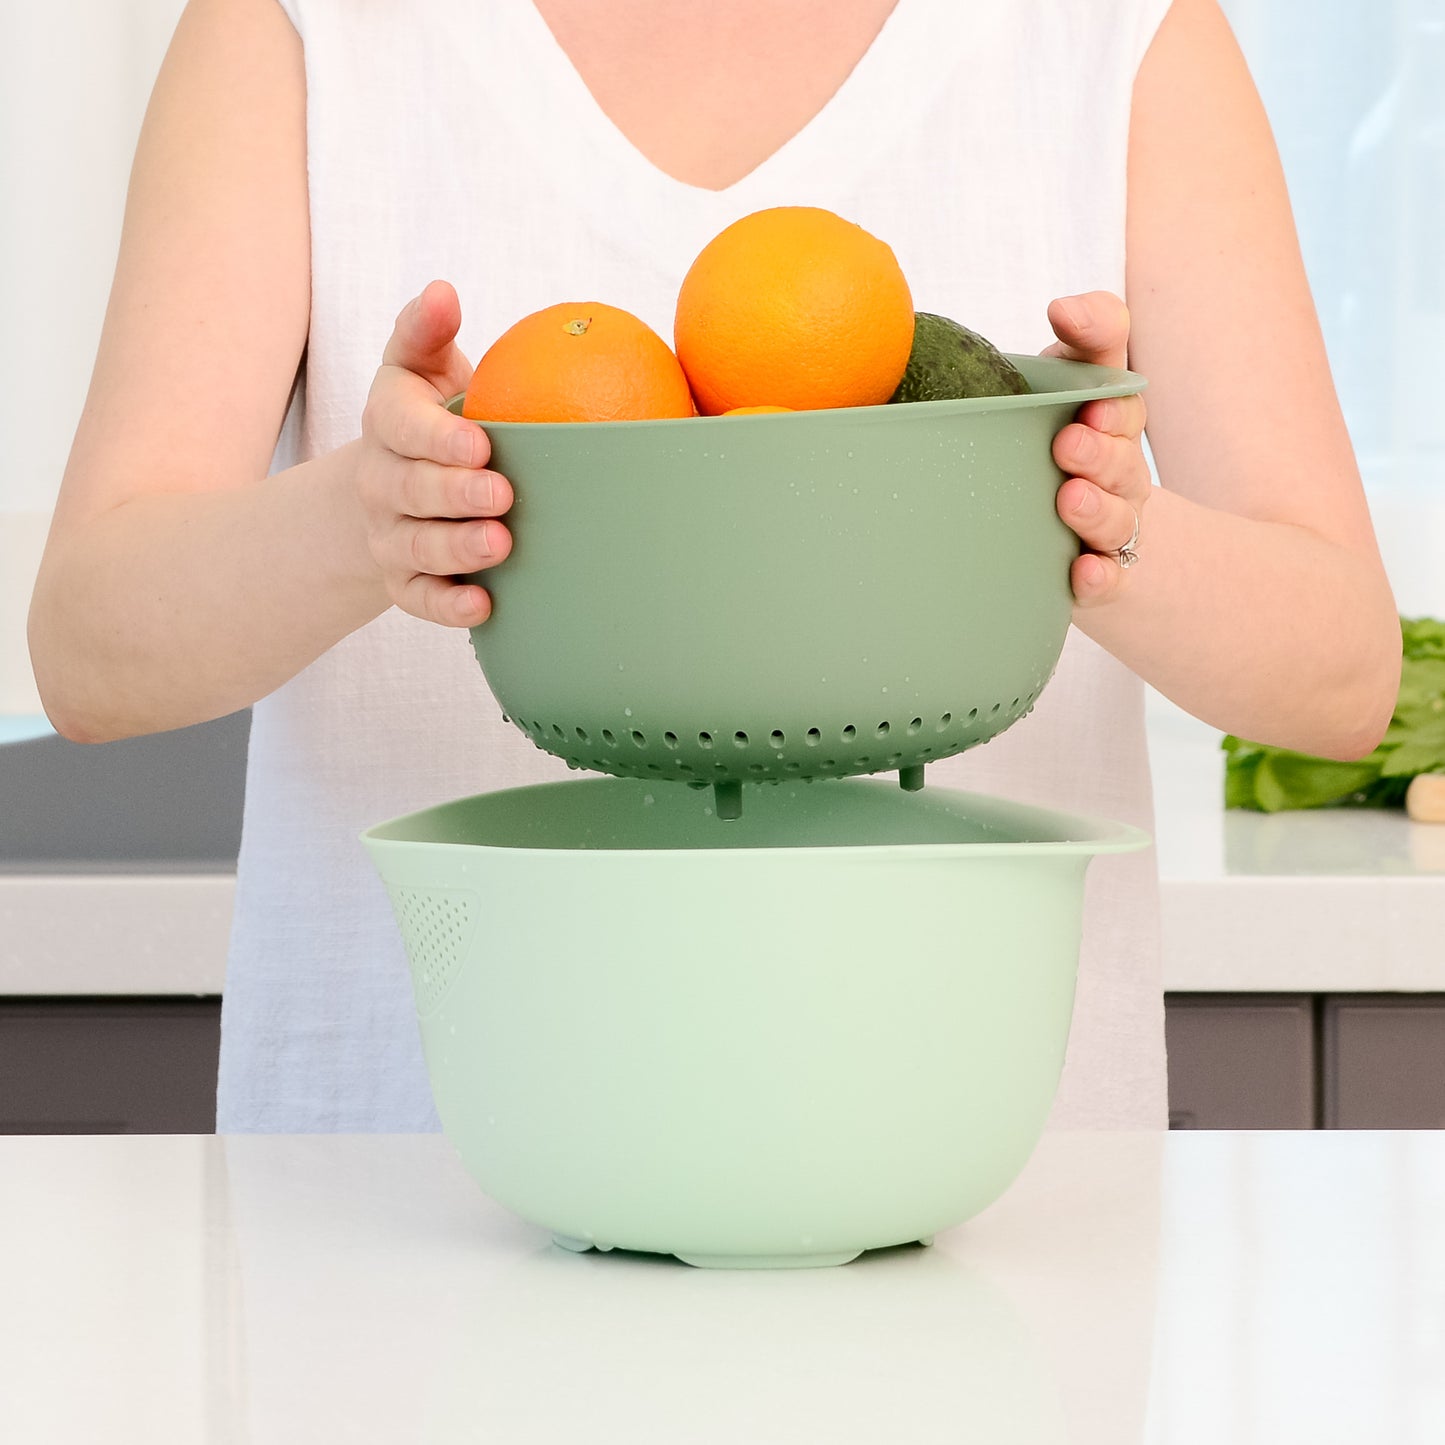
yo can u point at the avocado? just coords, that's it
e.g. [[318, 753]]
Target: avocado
[[949, 361]]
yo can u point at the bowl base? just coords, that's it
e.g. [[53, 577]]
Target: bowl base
[[734, 1261], [769, 1261]]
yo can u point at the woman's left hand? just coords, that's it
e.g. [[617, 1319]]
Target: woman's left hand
[[1108, 479]]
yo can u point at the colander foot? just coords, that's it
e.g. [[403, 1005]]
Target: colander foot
[[911, 779], [577, 1246], [926, 1240], [728, 799]]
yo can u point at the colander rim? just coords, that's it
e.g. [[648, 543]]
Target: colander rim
[[1111, 381]]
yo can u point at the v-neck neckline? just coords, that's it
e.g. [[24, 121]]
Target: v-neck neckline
[[854, 112]]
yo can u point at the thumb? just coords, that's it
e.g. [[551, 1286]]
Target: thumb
[[1092, 327], [424, 339]]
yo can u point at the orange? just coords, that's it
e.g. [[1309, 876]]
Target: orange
[[793, 306], [580, 361], [754, 410]]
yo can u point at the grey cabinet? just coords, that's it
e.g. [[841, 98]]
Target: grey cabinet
[[1302, 1061], [1238, 1061], [1383, 1062], [1241, 1061], [109, 1066]]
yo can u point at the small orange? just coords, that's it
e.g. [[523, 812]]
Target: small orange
[[579, 361], [754, 410], [793, 306]]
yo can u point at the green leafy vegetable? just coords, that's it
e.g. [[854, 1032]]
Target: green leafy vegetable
[[1272, 780]]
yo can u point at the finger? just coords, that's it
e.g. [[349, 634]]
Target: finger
[[1096, 579], [1113, 463], [439, 599], [1091, 327], [1102, 521], [423, 339], [402, 414], [441, 549], [1119, 416], [430, 490]]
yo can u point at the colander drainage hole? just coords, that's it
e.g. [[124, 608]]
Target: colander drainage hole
[[993, 711], [814, 737], [639, 738], [740, 740], [1016, 705], [704, 740], [916, 726], [776, 738], [582, 735], [670, 739], [973, 714], [608, 738], [558, 733], [944, 721], [849, 733], [882, 730]]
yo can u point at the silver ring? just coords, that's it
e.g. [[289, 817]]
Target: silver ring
[[1126, 554]]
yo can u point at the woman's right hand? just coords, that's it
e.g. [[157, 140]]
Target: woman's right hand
[[429, 499]]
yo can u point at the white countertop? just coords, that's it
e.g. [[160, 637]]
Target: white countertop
[[1330, 901], [1181, 1289]]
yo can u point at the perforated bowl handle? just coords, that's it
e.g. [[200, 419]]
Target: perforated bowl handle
[[436, 926]]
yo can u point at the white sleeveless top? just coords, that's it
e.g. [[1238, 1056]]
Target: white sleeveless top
[[984, 141]]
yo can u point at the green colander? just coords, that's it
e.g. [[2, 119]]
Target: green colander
[[722, 600], [836, 1024]]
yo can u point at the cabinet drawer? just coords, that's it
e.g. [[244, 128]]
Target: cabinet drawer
[[109, 1066], [1384, 1062], [1241, 1061]]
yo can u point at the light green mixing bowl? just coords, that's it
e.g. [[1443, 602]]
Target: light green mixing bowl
[[807, 595], [835, 1024]]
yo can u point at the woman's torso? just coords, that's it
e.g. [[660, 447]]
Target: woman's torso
[[985, 143]]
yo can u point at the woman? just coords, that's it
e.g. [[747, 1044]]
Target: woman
[[305, 165]]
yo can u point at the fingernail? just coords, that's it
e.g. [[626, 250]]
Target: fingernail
[[467, 601], [1088, 503], [1091, 574], [483, 535], [479, 493], [1086, 445], [464, 446], [1072, 314]]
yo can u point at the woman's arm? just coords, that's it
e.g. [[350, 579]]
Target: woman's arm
[[1259, 603], [179, 581]]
